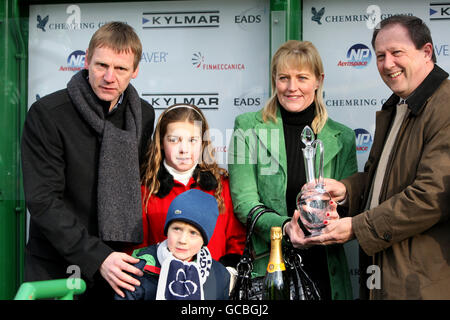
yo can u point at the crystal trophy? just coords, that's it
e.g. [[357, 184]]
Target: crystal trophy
[[313, 200]]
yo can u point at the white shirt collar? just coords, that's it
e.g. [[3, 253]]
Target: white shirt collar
[[182, 177]]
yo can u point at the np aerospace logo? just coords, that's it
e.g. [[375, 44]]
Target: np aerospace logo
[[358, 56], [363, 140], [75, 61]]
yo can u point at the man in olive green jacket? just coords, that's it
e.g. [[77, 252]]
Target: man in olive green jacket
[[406, 227], [258, 175]]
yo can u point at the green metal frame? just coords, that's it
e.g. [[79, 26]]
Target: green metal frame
[[293, 15], [294, 19], [285, 24], [13, 105], [60, 289]]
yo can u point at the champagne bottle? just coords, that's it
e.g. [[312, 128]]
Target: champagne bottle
[[276, 280]]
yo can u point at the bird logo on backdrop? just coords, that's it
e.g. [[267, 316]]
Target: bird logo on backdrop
[[41, 22], [317, 16]]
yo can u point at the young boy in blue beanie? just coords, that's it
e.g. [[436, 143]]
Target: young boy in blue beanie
[[181, 267]]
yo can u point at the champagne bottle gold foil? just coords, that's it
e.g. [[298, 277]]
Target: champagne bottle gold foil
[[276, 261]]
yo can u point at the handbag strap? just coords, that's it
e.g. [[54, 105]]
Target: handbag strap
[[251, 213], [245, 264], [251, 222]]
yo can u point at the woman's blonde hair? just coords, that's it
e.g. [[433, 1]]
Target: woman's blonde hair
[[155, 154], [297, 55]]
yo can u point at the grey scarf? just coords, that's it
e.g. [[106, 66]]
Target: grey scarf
[[119, 206]]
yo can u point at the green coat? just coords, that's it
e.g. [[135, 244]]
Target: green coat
[[257, 165]]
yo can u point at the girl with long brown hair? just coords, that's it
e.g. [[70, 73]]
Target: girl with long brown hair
[[181, 157]]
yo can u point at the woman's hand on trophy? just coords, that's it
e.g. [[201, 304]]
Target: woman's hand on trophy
[[336, 189], [295, 233], [332, 213]]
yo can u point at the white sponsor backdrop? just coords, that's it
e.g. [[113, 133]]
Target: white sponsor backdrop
[[214, 54], [342, 32]]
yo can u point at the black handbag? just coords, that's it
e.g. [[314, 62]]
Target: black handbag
[[248, 288]]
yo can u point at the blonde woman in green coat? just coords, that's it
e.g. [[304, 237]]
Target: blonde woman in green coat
[[266, 162]]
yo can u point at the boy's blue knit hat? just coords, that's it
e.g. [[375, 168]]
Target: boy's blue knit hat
[[197, 208]]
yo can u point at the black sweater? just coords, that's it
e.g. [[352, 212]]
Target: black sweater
[[293, 124]]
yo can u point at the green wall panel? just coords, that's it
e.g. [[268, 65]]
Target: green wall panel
[[12, 108]]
